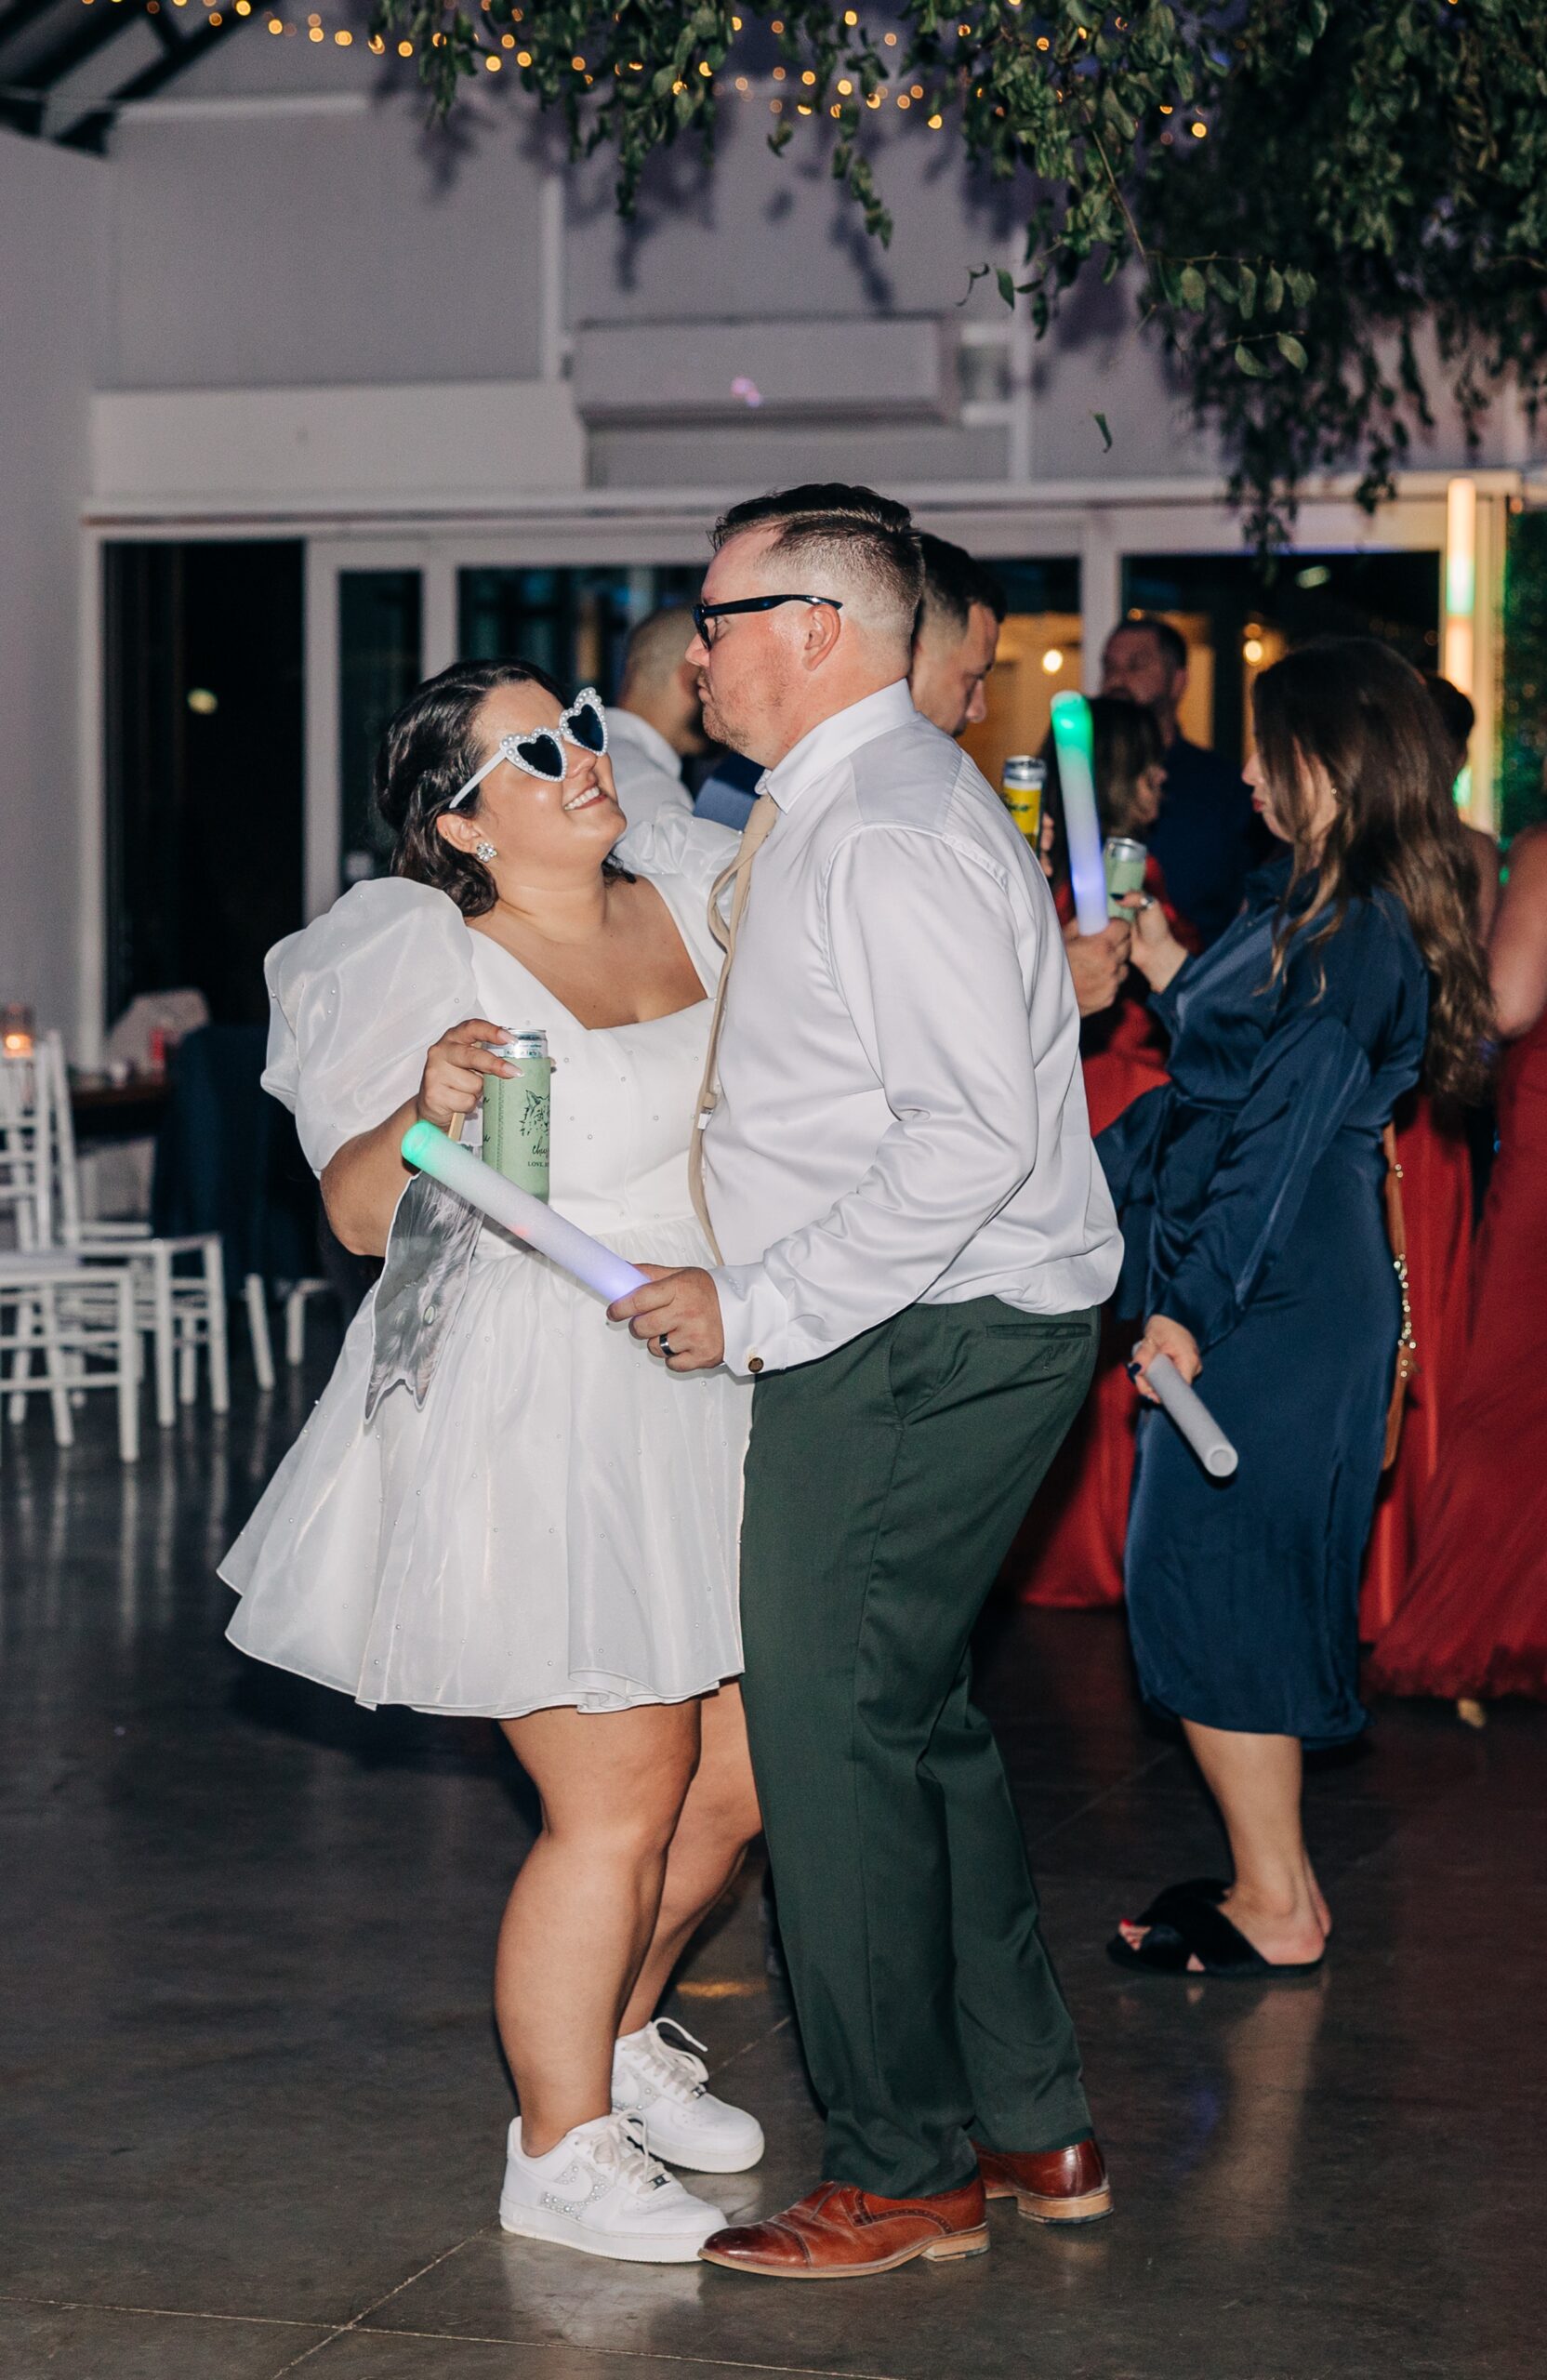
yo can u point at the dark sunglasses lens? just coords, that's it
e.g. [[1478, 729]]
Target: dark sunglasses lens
[[544, 755], [588, 727]]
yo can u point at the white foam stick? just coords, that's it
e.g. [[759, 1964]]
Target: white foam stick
[[1073, 737], [425, 1146], [1193, 1418]]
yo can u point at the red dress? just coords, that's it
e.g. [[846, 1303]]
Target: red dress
[[1475, 1619], [1070, 1548], [1437, 1206]]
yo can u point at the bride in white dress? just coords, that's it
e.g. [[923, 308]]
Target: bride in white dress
[[537, 1521]]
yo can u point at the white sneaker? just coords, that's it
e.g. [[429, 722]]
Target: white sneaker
[[667, 2086], [598, 2190]]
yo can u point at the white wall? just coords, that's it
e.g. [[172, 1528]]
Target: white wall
[[54, 206]]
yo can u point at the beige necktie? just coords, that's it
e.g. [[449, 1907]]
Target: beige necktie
[[765, 810]]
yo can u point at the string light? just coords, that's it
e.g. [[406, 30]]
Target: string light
[[494, 65]]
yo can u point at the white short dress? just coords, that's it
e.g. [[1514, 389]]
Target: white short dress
[[557, 1523]]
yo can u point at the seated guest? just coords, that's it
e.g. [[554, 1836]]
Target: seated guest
[[657, 719], [1070, 1548], [1204, 838], [954, 646]]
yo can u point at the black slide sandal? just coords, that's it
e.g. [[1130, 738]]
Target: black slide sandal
[[1185, 1922]]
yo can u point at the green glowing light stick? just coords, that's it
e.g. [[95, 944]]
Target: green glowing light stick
[[1072, 741]]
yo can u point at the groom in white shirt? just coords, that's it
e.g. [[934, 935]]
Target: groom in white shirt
[[895, 1166]]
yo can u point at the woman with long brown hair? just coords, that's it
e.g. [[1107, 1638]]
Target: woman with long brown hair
[[1251, 1187]]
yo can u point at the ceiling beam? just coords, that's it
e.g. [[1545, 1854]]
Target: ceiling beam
[[90, 129]]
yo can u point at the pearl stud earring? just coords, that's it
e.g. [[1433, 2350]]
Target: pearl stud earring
[[484, 852]]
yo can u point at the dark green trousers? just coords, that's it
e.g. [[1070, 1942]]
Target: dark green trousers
[[884, 1485]]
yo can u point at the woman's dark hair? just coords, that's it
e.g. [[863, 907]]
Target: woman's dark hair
[[1355, 705], [1124, 741], [427, 753]]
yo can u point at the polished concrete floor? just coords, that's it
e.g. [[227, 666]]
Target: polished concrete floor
[[253, 2110]]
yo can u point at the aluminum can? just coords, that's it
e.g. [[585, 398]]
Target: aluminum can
[[1021, 791], [518, 1112], [1125, 861]]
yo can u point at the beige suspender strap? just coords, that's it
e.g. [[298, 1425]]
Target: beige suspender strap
[[764, 812]]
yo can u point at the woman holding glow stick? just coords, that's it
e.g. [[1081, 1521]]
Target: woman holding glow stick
[[546, 1533], [1252, 1185]]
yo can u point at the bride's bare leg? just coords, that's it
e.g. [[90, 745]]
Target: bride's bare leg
[[584, 1908], [720, 1818]]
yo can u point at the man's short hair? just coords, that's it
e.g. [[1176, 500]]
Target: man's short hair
[[657, 646], [868, 537], [954, 581], [1172, 643]]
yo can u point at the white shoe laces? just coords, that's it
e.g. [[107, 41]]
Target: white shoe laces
[[675, 2071], [620, 2152]]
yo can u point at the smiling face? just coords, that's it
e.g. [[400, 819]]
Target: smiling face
[[542, 833]]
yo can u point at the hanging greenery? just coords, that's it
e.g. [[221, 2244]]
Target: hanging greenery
[[1298, 187]]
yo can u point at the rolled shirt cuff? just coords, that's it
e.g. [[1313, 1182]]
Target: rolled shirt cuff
[[754, 1317]]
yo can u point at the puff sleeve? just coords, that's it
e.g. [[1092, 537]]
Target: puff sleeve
[[355, 1000]]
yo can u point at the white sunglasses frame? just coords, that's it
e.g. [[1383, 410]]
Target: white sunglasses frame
[[507, 749]]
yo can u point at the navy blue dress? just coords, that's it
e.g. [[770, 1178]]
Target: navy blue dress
[[1250, 1191]]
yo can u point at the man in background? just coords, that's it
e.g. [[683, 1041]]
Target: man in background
[[1204, 838], [658, 721], [954, 645], [956, 637]]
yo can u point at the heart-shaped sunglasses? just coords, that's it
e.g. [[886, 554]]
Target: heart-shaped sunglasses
[[541, 753]]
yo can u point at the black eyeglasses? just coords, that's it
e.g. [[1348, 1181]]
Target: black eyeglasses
[[703, 613]]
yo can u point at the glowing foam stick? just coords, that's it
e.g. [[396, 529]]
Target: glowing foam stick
[[1193, 1418], [427, 1148], [1072, 739]]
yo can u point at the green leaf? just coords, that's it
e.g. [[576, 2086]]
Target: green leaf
[[1007, 286], [1193, 289], [1252, 365], [1100, 420], [1291, 351]]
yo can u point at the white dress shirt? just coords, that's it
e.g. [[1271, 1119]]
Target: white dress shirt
[[901, 1114], [646, 771]]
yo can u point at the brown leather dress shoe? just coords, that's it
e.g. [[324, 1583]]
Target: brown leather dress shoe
[[1049, 2186], [840, 2233]]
